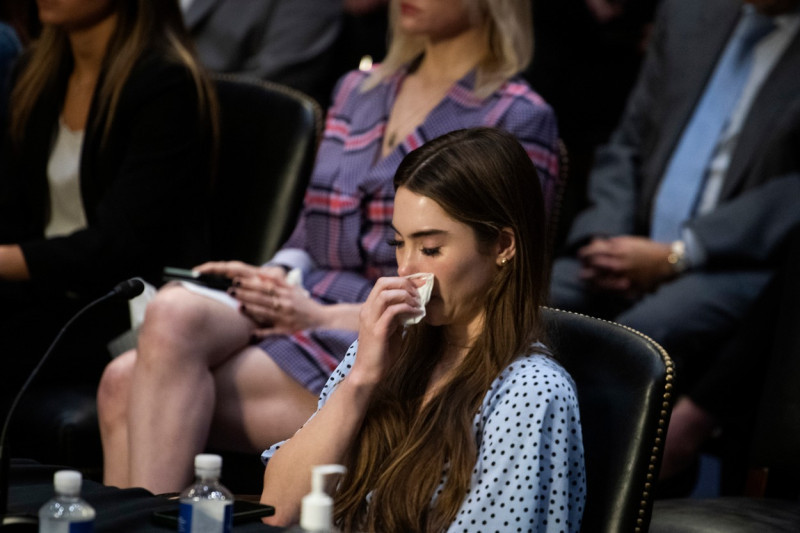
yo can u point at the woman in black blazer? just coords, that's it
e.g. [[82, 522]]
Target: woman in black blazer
[[105, 166]]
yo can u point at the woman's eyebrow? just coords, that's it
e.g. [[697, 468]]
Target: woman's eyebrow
[[422, 233]]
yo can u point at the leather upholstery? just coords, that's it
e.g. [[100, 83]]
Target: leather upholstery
[[725, 515], [554, 220], [624, 383], [268, 140]]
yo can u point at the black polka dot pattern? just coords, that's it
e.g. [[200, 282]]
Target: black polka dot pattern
[[529, 475]]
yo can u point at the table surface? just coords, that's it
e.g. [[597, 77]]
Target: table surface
[[118, 510]]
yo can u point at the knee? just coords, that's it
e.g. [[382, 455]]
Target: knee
[[172, 322], [173, 308], [114, 389]]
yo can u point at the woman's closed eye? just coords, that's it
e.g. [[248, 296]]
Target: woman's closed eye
[[430, 251]]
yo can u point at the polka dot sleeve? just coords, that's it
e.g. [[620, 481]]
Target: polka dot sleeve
[[529, 475]]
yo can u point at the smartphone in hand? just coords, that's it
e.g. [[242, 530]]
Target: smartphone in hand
[[206, 280]]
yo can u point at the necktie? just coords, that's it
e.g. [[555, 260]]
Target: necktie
[[680, 187]]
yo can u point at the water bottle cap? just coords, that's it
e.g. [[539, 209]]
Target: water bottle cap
[[207, 462], [67, 482]]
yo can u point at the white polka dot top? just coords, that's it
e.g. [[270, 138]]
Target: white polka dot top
[[529, 476]]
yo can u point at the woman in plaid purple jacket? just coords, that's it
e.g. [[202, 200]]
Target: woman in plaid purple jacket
[[244, 376]]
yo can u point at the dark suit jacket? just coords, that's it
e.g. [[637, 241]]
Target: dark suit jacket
[[757, 206], [143, 190], [285, 41]]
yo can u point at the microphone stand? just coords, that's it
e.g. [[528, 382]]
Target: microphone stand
[[127, 289]]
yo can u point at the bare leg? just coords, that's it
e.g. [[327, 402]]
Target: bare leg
[[172, 394], [112, 411], [257, 403]]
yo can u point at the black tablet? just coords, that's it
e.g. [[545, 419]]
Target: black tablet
[[243, 511]]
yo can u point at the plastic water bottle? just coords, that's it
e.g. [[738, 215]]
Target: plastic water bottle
[[67, 512], [206, 506]]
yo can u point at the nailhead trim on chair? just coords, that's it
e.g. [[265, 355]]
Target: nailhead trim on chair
[[666, 409]]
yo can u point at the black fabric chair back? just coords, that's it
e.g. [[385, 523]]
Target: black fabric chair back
[[624, 381], [268, 141]]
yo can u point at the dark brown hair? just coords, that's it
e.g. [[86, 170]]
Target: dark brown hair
[[481, 177]]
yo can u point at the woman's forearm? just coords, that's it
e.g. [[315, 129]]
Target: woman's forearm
[[325, 439], [340, 316], [13, 266]]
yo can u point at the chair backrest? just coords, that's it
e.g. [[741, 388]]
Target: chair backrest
[[269, 135], [554, 217], [624, 381]]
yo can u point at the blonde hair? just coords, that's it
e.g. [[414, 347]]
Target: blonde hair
[[483, 178], [509, 45], [141, 25]]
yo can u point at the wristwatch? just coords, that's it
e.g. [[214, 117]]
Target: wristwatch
[[677, 257]]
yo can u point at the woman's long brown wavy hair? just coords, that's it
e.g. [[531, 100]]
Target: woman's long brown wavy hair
[[481, 177], [141, 25]]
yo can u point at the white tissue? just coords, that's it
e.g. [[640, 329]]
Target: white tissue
[[424, 295]]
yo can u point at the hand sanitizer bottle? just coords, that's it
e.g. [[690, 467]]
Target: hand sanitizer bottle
[[316, 509], [67, 512], [206, 506]]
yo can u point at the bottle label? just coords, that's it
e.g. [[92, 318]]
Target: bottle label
[[82, 527], [206, 516], [67, 527]]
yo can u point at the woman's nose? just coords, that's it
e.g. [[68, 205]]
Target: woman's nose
[[405, 266]]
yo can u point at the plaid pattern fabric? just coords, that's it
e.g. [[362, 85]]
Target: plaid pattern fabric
[[347, 213]]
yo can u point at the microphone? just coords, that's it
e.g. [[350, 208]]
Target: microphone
[[125, 290], [128, 289]]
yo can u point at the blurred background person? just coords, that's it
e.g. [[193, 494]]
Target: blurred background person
[[693, 198], [286, 41], [105, 168]]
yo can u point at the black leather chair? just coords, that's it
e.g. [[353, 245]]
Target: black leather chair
[[269, 137], [268, 140], [624, 383], [555, 218]]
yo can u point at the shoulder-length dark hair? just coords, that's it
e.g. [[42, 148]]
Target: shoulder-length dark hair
[[483, 178], [141, 25]]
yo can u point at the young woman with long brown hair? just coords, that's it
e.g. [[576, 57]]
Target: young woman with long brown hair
[[105, 165], [464, 422]]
